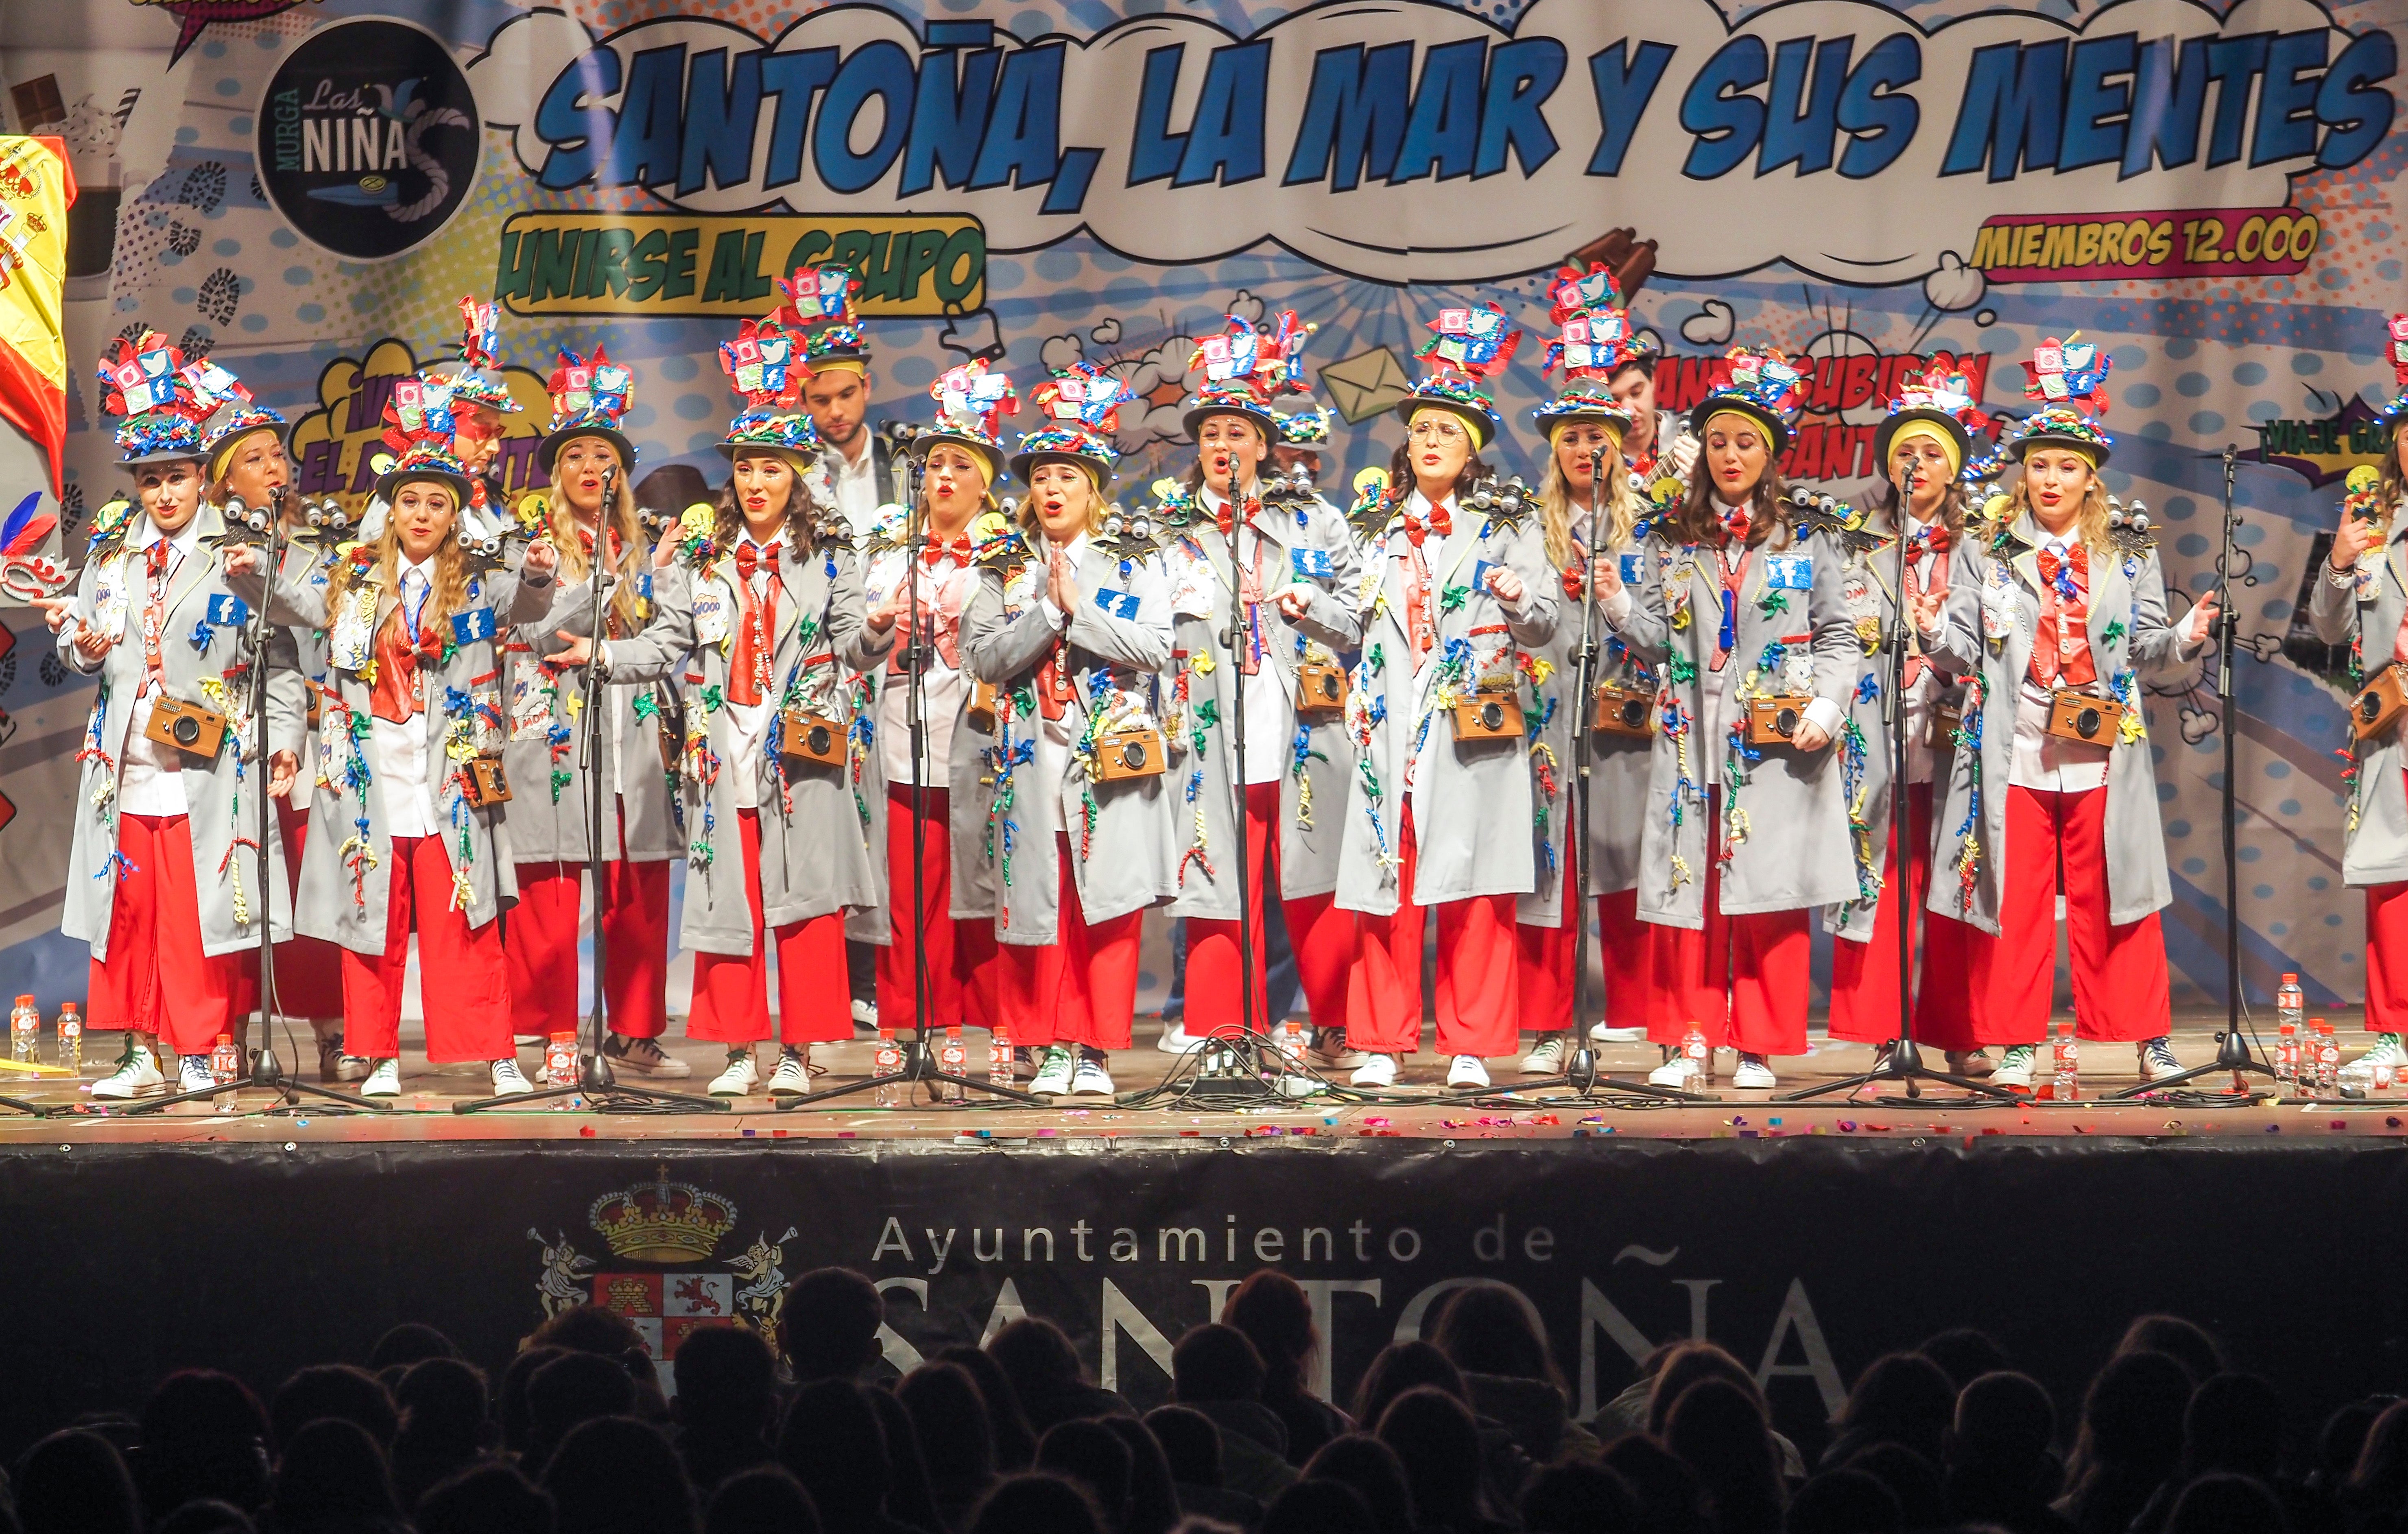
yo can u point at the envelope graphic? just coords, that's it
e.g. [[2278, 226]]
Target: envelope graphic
[[1365, 384]]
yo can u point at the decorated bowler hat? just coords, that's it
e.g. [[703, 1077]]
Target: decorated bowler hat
[[147, 381], [765, 366], [1758, 386], [1469, 347], [973, 401], [2070, 379], [1245, 368], [588, 397]]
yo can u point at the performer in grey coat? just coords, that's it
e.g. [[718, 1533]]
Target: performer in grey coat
[[407, 818], [592, 464], [165, 870], [1074, 634], [1295, 558], [1455, 602], [1922, 442], [2058, 619], [1591, 513], [2362, 592], [1747, 829], [775, 834], [932, 566]]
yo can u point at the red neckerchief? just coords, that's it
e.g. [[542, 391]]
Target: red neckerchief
[[155, 565], [2061, 647], [400, 692], [1421, 617], [756, 623], [1932, 538]]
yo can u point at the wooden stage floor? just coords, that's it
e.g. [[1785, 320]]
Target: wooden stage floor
[[1412, 1111]]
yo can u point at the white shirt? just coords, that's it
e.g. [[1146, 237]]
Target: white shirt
[[2044, 762], [748, 723], [944, 690], [1924, 696], [1270, 714], [856, 483], [401, 748], [151, 777]]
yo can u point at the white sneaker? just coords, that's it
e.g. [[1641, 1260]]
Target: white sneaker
[[1467, 1070], [509, 1081], [2390, 1049], [1377, 1070], [1679, 1072], [2156, 1057], [136, 1076], [1546, 1056], [192, 1073], [793, 1077], [741, 1079], [1173, 1040], [384, 1080], [865, 1015], [2015, 1066], [645, 1057], [1753, 1074], [1330, 1049], [1091, 1080], [1600, 1034], [1054, 1072]]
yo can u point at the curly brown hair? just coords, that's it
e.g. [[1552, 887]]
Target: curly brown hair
[[1768, 511], [805, 511]]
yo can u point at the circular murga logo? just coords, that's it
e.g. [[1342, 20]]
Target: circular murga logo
[[368, 137]]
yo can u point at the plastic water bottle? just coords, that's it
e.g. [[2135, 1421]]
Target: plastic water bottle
[[1291, 1042], [2327, 1060], [2065, 1083], [1700, 1057], [953, 1059], [70, 1036], [2286, 1059], [2291, 1005], [889, 1064], [25, 1032], [559, 1060], [225, 1064], [999, 1057]]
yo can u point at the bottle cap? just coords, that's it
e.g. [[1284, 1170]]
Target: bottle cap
[[566, 1037], [2290, 978], [68, 1007], [226, 1038], [24, 1001], [2291, 1027]]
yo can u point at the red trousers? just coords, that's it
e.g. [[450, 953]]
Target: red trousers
[[960, 954], [540, 937], [2387, 958], [156, 979], [463, 980], [2119, 972], [309, 970], [1544, 959], [1320, 936], [1479, 997], [731, 991], [1743, 980], [1864, 976], [1080, 989]]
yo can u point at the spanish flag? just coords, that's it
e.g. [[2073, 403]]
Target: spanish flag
[[36, 185]]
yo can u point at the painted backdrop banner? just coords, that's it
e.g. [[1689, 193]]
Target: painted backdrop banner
[[2205, 189]]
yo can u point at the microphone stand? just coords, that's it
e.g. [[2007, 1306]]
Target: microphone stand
[[920, 1063], [1582, 1076], [595, 1081], [2233, 1051], [267, 1071], [1902, 1061]]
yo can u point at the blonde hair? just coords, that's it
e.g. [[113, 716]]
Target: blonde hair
[[450, 593], [1097, 507], [1617, 496], [560, 523], [2089, 523]]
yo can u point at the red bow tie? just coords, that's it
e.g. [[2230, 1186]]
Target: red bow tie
[[939, 550], [1223, 520], [2053, 570], [1930, 538], [1736, 523], [154, 558], [1441, 521], [753, 557]]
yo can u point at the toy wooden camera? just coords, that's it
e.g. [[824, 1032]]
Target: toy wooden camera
[[190, 728], [811, 737], [2083, 717]]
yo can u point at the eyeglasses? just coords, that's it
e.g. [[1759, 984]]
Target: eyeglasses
[[1435, 431]]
